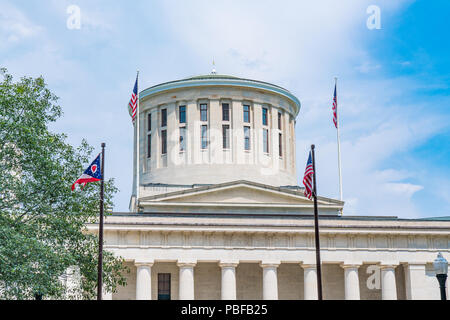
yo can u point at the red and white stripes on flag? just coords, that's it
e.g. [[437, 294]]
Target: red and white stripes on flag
[[335, 108], [307, 179], [132, 105]]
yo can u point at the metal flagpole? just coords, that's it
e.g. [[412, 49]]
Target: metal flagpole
[[137, 145], [338, 144], [100, 230], [316, 228]]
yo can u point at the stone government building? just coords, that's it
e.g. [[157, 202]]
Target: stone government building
[[220, 216]]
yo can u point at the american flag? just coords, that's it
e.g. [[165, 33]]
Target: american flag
[[335, 107], [132, 105], [307, 179]]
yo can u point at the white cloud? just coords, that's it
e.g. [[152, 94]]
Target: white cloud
[[15, 26], [367, 67], [403, 189]]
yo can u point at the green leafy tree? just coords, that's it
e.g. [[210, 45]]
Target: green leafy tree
[[42, 222]]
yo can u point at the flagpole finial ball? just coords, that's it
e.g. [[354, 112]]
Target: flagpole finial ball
[[313, 146], [103, 144]]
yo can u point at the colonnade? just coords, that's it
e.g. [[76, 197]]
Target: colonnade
[[269, 281]]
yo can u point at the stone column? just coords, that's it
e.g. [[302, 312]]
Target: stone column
[[193, 131], [144, 280], [351, 281], [270, 281], [215, 131], [228, 280], [310, 282], [237, 136], [154, 140], [417, 285], [257, 134], [388, 285], [106, 295], [186, 291], [288, 142], [172, 135], [274, 132]]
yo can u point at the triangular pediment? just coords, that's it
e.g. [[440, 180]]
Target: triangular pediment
[[240, 192]]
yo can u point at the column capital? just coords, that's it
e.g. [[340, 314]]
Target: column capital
[[186, 264], [415, 263], [388, 266], [350, 265], [308, 266], [269, 264], [228, 264], [143, 263]]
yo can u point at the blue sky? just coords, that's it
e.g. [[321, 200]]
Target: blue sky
[[393, 87]]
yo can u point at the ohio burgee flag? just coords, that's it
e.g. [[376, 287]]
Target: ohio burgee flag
[[91, 174]]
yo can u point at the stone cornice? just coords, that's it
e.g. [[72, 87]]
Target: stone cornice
[[289, 228], [144, 203], [221, 81]]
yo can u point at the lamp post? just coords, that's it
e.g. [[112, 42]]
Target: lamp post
[[441, 268]]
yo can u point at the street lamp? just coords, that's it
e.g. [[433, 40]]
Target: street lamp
[[441, 268]]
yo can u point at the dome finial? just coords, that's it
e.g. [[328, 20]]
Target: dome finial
[[214, 67]]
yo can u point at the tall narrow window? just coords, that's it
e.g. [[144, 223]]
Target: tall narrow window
[[163, 141], [280, 145], [182, 138], [149, 122], [204, 136], [204, 112], [226, 136], [163, 286], [149, 145], [265, 141], [264, 116], [163, 117], [225, 112], [246, 113], [247, 138], [279, 120], [182, 114]]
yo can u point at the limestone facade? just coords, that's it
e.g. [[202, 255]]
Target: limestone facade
[[228, 257]]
